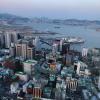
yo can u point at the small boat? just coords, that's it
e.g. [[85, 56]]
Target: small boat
[[57, 27]]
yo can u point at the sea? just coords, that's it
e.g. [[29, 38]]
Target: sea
[[88, 33]]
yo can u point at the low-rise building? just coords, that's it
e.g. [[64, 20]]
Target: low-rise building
[[22, 76], [14, 87]]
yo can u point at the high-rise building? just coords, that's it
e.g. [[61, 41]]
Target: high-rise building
[[67, 59], [61, 43], [12, 50], [65, 48], [36, 43], [24, 51], [2, 40], [29, 53], [54, 49], [10, 37], [7, 40], [18, 50]]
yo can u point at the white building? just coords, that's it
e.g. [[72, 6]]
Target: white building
[[14, 87], [61, 43], [36, 43], [84, 52], [80, 67], [29, 66], [7, 40]]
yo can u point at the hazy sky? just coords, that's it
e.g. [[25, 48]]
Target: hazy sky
[[80, 9]]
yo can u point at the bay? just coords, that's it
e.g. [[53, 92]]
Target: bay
[[91, 36]]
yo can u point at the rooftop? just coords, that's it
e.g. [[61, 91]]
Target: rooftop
[[30, 61]]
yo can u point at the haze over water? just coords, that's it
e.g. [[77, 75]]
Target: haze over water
[[91, 36]]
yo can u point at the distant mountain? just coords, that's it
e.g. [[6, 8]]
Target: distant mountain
[[13, 19], [5, 16], [75, 22], [82, 22]]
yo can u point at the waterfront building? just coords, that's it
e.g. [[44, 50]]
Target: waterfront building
[[84, 52], [36, 43], [95, 51], [65, 48], [61, 43]]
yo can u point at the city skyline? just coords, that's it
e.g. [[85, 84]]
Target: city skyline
[[79, 9]]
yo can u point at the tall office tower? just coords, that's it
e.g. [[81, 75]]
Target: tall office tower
[[2, 43], [29, 53], [54, 49], [12, 50], [67, 59], [18, 50], [24, 51], [65, 48], [10, 37], [36, 43], [14, 37], [7, 39], [61, 43]]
